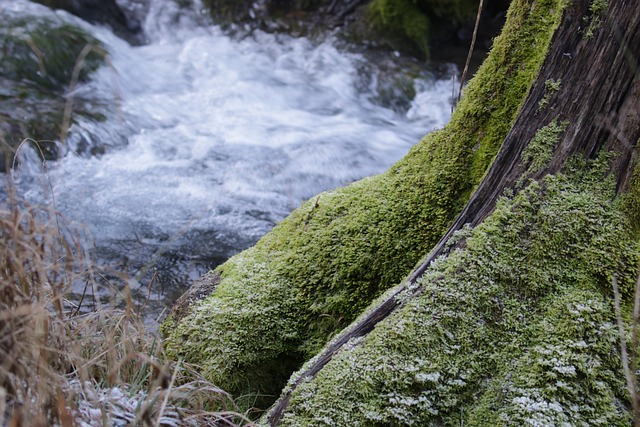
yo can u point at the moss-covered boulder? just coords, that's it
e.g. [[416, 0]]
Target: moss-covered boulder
[[226, 12], [405, 25], [44, 51], [39, 55], [277, 303], [517, 328], [413, 20]]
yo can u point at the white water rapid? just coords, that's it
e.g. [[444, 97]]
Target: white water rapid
[[210, 141]]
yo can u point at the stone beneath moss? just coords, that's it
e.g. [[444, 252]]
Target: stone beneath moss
[[45, 51], [411, 20], [199, 290], [39, 57], [228, 12], [402, 19], [279, 302], [518, 328], [409, 26]]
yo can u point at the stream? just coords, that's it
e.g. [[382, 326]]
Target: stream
[[211, 140]]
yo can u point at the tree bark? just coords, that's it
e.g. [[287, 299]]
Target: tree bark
[[593, 64]]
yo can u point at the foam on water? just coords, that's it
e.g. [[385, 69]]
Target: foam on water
[[219, 139]]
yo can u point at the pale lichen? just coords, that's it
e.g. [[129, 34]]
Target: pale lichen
[[551, 86], [539, 152], [517, 328], [279, 302]]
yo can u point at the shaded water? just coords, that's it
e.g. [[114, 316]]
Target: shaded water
[[210, 141]]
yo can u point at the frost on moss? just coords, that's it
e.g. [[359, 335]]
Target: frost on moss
[[517, 328], [316, 271], [539, 152]]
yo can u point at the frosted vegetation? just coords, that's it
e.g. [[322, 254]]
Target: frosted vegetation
[[517, 328], [281, 300]]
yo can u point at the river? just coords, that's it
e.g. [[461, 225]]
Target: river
[[211, 140]]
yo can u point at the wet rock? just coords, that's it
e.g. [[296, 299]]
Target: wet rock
[[42, 56], [199, 290], [103, 12], [423, 29], [44, 52]]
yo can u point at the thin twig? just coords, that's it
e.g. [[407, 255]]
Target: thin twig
[[473, 43], [46, 170], [75, 77], [628, 374], [634, 343], [453, 93]]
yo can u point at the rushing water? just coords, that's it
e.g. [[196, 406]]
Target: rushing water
[[210, 141]]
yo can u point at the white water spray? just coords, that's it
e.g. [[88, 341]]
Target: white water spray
[[211, 141]]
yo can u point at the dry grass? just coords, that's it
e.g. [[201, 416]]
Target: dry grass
[[61, 365]]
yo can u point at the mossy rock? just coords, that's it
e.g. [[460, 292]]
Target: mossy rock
[[39, 57], [45, 51], [517, 328], [407, 26], [409, 20], [226, 12], [279, 302]]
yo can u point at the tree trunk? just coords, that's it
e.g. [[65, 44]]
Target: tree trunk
[[587, 92]]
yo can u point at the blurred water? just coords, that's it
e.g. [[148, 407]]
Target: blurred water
[[210, 141]]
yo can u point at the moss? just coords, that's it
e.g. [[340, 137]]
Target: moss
[[402, 18], [516, 329], [631, 204], [227, 12], [569, 375], [317, 270], [411, 20], [39, 55], [551, 87], [593, 20], [45, 52], [539, 152], [534, 33]]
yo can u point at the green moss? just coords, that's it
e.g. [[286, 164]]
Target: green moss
[[227, 12], [317, 270], [402, 18], [631, 204], [516, 329], [551, 87], [39, 55], [411, 20], [597, 8], [45, 51], [530, 36], [569, 375], [539, 152]]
